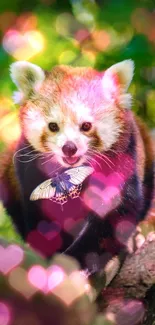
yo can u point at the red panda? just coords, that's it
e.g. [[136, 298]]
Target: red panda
[[72, 117]]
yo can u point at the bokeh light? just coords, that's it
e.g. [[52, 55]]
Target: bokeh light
[[11, 123], [10, 257], [67, 57], [38, 278], [144, 22], [85, 13], [26, 21], [80, 33], [56, 276], [101, 39], [7, 19], [5, 315], [23, 46], [18, 281], [67, 25]]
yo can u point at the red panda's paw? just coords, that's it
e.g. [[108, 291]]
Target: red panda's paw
[[142, 241], [135, 241], [151, 236], [139, 239]]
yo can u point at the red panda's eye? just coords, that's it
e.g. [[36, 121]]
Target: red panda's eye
[[53, 127], [86, 126]]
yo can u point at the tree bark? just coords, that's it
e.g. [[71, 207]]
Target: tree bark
[[130, 297]]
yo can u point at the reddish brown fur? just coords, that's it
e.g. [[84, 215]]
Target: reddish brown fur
[[64, 79], [7, 172], [43, 141], [95, 140]]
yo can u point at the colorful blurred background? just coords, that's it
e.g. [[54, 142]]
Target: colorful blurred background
[[79, 33]]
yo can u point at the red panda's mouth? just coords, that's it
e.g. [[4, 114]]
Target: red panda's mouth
[[71, 160]]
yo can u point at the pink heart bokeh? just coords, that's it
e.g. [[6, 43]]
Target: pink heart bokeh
[[5, 315], [10, 257], [54, 280], [45, 279], [23, 45]]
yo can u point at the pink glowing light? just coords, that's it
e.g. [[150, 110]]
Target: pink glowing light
[[81, 35], [47, 244], [46, 280], [5, 316], [103, 200], [123, 230], [55, 276], [71, 288], [72, 226], [10, 257], [133, 311], [23, 46], [37, 276]]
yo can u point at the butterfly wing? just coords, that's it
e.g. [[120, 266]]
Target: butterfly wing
[[79, 174], [43, 191], [70, 183], [76, 176], [60, 196], [75, 191]]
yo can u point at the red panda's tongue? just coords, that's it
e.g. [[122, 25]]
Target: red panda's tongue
[[71, 160]]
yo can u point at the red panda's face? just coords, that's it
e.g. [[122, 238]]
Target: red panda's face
[[75, 113]]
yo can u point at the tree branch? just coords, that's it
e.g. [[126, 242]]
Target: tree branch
[[130, 297]]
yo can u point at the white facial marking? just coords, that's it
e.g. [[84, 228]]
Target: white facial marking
[[34, 124]]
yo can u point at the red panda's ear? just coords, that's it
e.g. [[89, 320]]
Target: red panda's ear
[[28, 78], [116, 81], [123, 71]]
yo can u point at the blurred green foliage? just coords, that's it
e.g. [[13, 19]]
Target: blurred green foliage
[[79, 33], [128, 31]]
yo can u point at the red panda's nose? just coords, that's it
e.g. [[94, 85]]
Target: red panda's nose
[[69, 149]]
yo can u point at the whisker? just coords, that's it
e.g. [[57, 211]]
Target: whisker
[[20, 151], [96, 154], [108, 159], [46, 161], [93, 159], [27, 161], [90, 163], [29, 153], [112, 150], [103, 158], [46, 154], [101, 155], [32, 155], [55, 170]]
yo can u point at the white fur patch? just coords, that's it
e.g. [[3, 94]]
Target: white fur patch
[[107, 127], [125, 101], [34, 124]]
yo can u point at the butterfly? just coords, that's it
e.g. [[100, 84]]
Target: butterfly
[[60, 187]]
